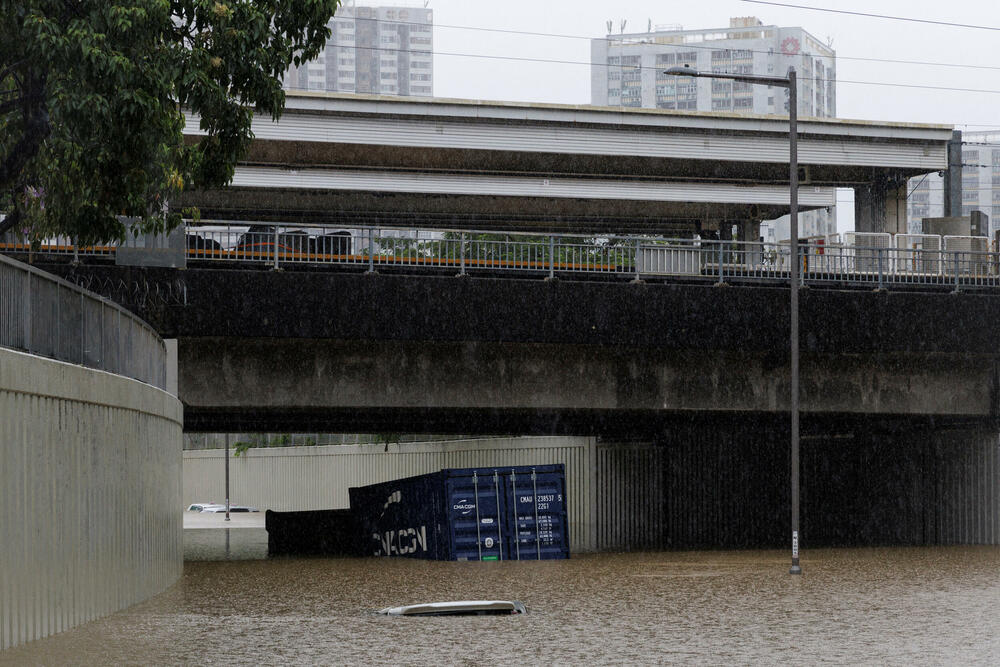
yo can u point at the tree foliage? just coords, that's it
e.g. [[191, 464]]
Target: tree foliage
[[93, 93]]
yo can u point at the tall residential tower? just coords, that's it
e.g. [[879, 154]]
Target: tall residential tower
[[627, 70], [373, 50]]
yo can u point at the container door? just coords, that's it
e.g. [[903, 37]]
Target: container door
[[475, 505], [538, 516]]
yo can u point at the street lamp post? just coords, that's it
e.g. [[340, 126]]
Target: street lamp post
[[788, 82]]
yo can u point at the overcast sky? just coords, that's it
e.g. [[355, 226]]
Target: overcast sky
[[852, 37]]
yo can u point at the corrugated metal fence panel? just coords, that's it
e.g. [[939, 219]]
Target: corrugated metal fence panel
[[89, 489], [698, 489], [630, 500], [304, 478], [727, 487], [967, 487], [15, 314]]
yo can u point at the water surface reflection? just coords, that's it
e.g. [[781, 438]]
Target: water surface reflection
[[933, 606]]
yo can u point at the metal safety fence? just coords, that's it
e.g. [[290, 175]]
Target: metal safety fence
[[877, 260], [45, 315]]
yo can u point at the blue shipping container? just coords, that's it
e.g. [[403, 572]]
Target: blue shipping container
[[511, 513]]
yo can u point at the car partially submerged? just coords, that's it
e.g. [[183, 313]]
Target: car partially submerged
[[204, 507], [217, 507], [459, 608], [232, 509]]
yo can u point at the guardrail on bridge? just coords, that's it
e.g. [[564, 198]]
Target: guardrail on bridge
[[877, 260], [50, 317]]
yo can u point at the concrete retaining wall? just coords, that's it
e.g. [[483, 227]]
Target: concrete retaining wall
[[90, 486], [307, 478]]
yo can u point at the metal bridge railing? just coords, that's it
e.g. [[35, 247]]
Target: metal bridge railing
[[877, 260], [45, 315]]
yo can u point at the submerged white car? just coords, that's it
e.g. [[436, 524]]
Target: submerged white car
[[204, 507], [232, 508]]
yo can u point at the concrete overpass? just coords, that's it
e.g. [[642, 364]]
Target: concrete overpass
[[684, 384], [337, 351], [403, 161]]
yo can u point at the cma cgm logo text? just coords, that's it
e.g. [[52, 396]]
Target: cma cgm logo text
[[464, 505], [401, 542]]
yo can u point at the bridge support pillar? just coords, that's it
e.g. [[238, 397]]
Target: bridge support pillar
[[880, 206], [748, 231]]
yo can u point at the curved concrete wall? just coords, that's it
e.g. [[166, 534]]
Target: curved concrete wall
[[90, 491]]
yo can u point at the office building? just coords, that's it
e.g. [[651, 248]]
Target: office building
[[373, 50]]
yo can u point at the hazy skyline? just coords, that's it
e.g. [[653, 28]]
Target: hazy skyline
[[482, 72]]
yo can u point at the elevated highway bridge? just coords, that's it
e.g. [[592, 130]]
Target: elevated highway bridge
[[355, 159], [349, 351]]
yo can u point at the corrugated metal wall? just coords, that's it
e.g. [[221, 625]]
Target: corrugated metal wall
[[90, 485], [719, 486], [304, 478], [727, 487], [967, 488]]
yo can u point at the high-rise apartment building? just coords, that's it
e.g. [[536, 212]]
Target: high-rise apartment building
[[627, 70], [980, 184], [374, 50]]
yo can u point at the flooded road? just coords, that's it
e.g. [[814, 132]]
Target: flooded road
[[898, 606]]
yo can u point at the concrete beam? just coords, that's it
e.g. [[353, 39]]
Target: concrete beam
[[564, 383]]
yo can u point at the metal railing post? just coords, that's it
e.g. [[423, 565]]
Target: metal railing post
[[83, 329], [956, 272], [720, 263], [461, 250], [27, 317], [878, 252], [371, 250], [275, 248], [552, 257], [56, 347], [638, 260]]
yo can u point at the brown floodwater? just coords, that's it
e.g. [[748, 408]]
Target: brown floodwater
[[873, 606]]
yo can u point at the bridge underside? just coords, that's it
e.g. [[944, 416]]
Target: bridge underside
[[498, 213], [482, 388]]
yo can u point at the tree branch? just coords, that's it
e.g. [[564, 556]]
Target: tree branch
[[7, 71], [36, 129], [10, 105], [10, 221]]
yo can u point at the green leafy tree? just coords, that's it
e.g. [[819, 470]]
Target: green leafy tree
[[92, 94]]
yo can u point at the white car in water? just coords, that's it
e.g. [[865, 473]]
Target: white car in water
[[232, 508], [205, 507]]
